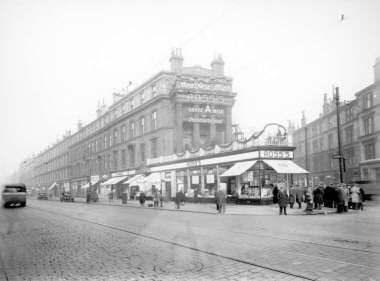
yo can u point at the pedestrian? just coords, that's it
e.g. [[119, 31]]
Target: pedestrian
[[155, 199], [221, 202], [318, 197], [275, 194], [340, 199], [292, 196], [178, 198], [161, 199], [355, 197], [282, 197], [346, 197], [362, 198], [299, 197], [142, 199]]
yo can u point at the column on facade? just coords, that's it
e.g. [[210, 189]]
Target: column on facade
[[228, 134], [217, 178], [196, 133], [202, 180], [212, 131], [188, 186], [179, 127]]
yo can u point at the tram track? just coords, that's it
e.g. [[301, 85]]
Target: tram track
[[150, 237], [261, 235], [231, 258]]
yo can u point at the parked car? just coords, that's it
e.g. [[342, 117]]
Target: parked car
[[67, 196], [92, 196], [42, 196], [14, 195]]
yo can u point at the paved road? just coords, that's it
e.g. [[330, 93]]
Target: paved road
[[65, 241]]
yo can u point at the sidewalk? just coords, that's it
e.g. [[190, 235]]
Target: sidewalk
[[208, 208]]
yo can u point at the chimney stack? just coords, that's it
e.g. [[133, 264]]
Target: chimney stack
[[176, 60], [303, 119], [80, 126], [376, 68], [217, 66]]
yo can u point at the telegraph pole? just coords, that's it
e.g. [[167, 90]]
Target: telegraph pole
[[340, 156]]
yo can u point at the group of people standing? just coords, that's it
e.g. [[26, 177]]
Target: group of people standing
[[341, 196]]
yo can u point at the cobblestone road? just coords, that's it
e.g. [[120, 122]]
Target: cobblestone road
[[63, 241]]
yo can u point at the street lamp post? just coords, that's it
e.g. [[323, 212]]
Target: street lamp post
[[339, 156]]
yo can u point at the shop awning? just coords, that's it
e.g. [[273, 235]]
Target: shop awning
[[87, 185], [114, 180], [285, 167], [52, 186], [138, 179], [153, 178], [238, 168]]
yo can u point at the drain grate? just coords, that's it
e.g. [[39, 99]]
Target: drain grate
[[175, 268]]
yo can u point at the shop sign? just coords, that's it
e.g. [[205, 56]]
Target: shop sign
[[199, 85], [205, 110], [276, 154], [204, 98], [193, 163], [277, 140], [210, 179], [204, 120], [195, 179], [94, 178], [123, 173]]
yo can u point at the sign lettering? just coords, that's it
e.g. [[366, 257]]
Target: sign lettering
[[275, 154]]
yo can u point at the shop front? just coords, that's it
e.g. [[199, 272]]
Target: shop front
[[246, 176]]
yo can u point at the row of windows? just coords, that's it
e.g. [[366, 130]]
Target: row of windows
[[118, 135], [118, 159], [55, 176], [131, 103]]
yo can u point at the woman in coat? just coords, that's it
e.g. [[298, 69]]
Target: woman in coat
[[292, 196], [282, 200], [355, 197], [275, 194]]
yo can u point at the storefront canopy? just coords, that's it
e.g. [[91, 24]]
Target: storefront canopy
[[153, 178], [285, 167], [87, 185], [52, 186], [238, 168], [136, 180], [114, 180]]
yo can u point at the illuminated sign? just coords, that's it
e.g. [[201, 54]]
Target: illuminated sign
[[276, 154]]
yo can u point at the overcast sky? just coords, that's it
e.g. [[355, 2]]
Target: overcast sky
[[59, 58]]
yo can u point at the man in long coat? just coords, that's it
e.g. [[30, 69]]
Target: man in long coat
[[221, 201], [282, 200]]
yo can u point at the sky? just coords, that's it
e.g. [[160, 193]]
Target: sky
[[58, 59]]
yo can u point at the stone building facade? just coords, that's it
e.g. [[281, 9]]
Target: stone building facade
[[317, 141], [184, 108]]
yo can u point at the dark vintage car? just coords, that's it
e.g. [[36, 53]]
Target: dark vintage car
[[67, 197], [42, 196], [92, 196], [14, 195]]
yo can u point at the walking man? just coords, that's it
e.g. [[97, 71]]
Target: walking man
[[283, 200]]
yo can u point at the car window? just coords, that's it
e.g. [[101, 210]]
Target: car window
[[14, 189]]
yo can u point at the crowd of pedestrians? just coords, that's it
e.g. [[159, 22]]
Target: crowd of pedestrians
[[340, 196]]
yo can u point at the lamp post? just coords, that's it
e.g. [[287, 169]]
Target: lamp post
[[339, 156]]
